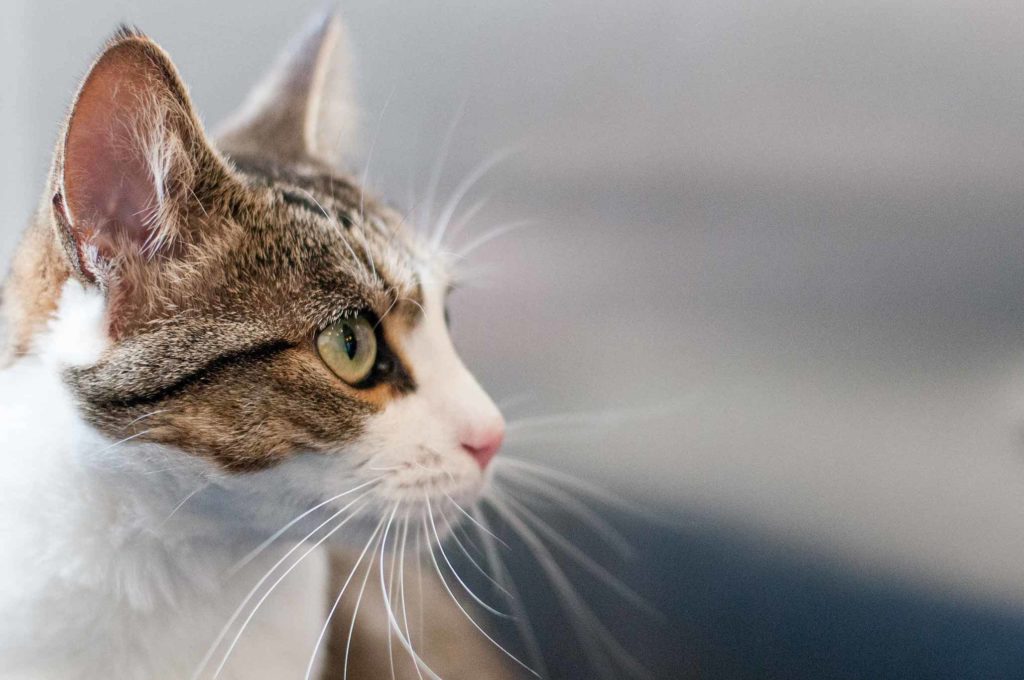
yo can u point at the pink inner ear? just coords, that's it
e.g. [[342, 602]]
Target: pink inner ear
[[108, 182]]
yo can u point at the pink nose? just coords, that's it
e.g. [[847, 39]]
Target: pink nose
[[483, 443]]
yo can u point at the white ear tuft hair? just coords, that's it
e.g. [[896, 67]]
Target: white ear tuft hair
[[302, 109], [131, 154]]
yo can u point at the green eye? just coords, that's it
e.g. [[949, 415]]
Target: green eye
[[349, 348]]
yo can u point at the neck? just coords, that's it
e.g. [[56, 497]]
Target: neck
[[122, 569]]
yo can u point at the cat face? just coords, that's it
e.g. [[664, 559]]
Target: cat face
[[262, 313]]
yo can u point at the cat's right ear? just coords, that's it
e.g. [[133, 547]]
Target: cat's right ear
[[303, 107]]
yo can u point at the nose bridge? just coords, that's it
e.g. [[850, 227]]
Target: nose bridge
[[443, 378], [463, 412], [459, 391]]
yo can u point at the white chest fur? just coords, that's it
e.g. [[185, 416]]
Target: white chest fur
[[104, 574]]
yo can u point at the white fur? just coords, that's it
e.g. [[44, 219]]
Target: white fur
[[96, 580], [117, 555]]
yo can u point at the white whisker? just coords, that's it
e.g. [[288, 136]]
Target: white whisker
[[564, 499], [582, 558], [433, 525], [393, 622], [466, 218], [474, 520], [451, 532], [184, 500], [573, 602], [391, 596], [255, 588], [460, 192], [469, 618], [143, 417], [591, 490], [341, 229], [401, 585], [512, 401], [419, 586], [385, 314], [366, 250], [359, 600], [280, 532], [369, 154], [337, 600], [602, 419], [521, 618], [438, 166], [123, 441], [408, 299], [490, 235], [468, 539]]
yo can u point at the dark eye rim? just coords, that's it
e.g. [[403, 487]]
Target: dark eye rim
[[448, 291]]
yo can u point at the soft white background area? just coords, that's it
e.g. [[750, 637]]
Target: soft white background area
[[799, 226]]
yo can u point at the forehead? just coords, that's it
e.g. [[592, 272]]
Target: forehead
[[311, 239]]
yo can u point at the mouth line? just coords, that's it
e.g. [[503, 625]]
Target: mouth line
[[437, 487], [426, 484], [428, 460]]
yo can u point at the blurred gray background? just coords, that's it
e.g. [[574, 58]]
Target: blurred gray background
[[779, 245]]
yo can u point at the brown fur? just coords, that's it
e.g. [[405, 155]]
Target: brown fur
[[213, 321]]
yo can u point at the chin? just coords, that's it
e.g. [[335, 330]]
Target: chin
[[429, 489]]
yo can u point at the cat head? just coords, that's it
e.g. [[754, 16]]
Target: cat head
[[261, 312]]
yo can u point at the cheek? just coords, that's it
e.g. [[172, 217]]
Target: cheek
[[250, 415], [402, 427]]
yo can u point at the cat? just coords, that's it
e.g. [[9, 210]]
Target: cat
[[228, 390]]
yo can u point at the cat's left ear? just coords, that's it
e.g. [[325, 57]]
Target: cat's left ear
[[302, 109], [134, 166]]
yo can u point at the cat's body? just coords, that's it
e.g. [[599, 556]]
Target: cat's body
[[115, 571], [162, 412]]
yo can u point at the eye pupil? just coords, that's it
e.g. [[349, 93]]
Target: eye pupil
[[351, 344]]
